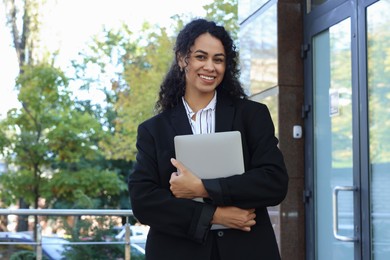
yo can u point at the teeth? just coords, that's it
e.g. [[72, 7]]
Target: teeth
[[206, 77]]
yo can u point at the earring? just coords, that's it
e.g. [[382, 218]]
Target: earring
[[181, 69]]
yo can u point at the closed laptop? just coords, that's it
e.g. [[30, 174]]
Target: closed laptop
[[210, 156]]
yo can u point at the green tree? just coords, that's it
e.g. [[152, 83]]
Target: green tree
[[23, 19], [52, 145], [136, 102], [52, 142], [136, 64]]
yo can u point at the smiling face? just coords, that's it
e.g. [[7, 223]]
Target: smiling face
[[204, 67]]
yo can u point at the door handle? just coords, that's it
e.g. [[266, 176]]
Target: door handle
[[335, 213]]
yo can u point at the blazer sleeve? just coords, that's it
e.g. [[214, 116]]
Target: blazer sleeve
[[265, 181], [152, 201]]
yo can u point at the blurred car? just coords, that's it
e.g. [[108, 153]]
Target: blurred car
[[52, 247], [138, 234]]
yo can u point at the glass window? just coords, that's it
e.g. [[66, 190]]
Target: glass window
[[258, 51], [270, 99], [248, 7], [378, 42]]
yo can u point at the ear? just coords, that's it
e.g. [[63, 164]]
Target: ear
[[180, 61]]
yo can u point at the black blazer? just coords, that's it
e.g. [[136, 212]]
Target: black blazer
[[180, 228]]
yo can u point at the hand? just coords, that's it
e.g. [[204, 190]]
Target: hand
[[233, 217], [184, 184]]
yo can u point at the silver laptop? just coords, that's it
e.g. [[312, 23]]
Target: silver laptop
[[211, 156]]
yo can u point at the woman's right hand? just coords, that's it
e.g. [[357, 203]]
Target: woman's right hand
[[234, 217]]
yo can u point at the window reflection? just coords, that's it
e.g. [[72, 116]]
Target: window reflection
[[333, 149], [258, 51], [378, 42], [248, 7], [341, 90], [270, 99]]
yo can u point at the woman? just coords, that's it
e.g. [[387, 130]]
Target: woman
[[201, 94]]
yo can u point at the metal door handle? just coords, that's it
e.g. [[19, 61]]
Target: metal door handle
[[335, 213]]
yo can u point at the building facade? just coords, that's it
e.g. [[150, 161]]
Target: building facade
[[323, 69]]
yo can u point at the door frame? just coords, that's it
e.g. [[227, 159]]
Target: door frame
[[365, 190]]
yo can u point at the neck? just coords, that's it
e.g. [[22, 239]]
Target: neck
[[199, 101]]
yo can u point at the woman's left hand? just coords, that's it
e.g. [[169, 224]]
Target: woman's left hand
[[184, 184]]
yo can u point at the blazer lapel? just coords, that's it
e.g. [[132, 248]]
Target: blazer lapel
[[179, 120], [224, 113]]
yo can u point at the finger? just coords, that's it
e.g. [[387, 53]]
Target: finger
[[252, 216], [248, 226], [179, 166], [251, 210], [251, 223], [246, 229], [173, 177], [174, 161]]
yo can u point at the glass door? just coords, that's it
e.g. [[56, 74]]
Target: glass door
[[378, 90], [333, 138], [332, 156], [347, 77]]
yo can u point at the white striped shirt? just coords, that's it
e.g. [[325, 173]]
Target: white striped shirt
[[204, 122]]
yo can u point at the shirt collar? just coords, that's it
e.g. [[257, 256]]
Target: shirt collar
[[211, 105]]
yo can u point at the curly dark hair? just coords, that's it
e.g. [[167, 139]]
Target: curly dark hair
[[173, 85]]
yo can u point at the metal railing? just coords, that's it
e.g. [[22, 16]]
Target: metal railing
[[71, 212]]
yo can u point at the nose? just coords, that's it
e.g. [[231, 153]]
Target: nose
[[209, 65]]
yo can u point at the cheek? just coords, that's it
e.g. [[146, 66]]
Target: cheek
[[189, 75], [191, 72], [221, 71], [221, 68]]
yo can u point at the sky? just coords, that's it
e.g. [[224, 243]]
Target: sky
[[69, 24]]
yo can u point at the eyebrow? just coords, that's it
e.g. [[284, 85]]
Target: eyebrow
[[203, 52]]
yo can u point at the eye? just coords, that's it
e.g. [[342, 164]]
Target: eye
[[201, 57], [219, 60]]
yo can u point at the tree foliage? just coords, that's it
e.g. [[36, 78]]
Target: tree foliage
[[136, 64], [225, 13], [378, 72], [47, 139], [52, 141]]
